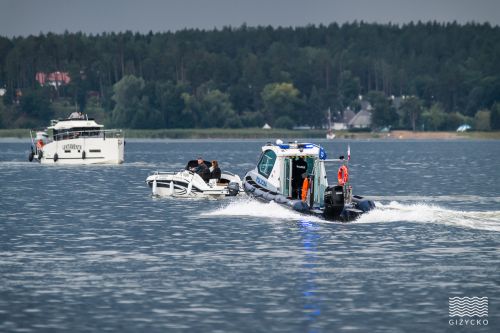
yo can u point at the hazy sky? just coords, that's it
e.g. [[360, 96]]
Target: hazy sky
[[24, 17]]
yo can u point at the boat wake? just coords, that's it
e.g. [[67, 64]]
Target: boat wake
[[429, 213], [251, 207], [391, 212]]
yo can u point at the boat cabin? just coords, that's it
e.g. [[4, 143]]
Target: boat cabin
[[74, 128], [278, 170]]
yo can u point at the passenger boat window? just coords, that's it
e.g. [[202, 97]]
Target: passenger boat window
[[266, 163], [76, 132]]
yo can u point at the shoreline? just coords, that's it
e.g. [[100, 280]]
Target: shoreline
[[258, 133]]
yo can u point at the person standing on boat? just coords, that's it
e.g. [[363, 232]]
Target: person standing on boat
[[299, 167], [215, 172]]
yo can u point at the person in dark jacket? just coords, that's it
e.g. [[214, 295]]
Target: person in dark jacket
[[202, 170], [215, 172], [299, 167]]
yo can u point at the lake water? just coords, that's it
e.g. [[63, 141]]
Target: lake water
[[87, 249]]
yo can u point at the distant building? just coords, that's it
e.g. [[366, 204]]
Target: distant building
[[55, 79], [341, 120], [339, 126], [350, 119], [362, 119], [348, 115]]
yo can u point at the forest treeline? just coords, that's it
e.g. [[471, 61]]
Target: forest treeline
[[247, 76]]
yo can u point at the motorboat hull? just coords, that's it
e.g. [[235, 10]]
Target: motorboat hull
[[188, 184], [82, 151]]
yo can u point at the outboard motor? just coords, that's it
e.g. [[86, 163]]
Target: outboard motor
[[233, 189], [334, 202]]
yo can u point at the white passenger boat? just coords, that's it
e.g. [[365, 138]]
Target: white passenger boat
[[294, 176], [186, 183], [77, 141]]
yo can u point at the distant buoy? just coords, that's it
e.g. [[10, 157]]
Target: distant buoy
[[56, 157]]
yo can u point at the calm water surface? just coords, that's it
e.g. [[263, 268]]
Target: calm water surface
[[87, 249]]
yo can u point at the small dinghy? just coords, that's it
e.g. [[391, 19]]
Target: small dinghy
[[187, 183], [294, 175]]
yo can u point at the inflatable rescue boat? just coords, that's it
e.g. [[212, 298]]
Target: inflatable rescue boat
[[294, 176]]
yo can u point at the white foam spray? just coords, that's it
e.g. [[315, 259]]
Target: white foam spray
[[429, 213], [251, 207], [383, 213]]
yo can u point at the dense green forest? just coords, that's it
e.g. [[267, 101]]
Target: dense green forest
[[247, 76]]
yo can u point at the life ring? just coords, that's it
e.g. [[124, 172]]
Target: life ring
[[343, 175], [39, 144], [305, 187], [56, 157]]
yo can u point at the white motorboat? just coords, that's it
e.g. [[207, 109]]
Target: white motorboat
[[77, 141], [330, 135], [294, 176], [186, 183]]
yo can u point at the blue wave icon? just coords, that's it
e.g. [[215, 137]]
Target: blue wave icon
[[468, 306]]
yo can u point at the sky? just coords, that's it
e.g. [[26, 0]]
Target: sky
[[30, 17]]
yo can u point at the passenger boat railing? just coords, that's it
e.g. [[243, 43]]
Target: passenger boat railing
[[68, 135]]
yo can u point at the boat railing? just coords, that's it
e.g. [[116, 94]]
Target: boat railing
[[100, 133], [158, 173], [164, 173], [172, 173], [341, 160]]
